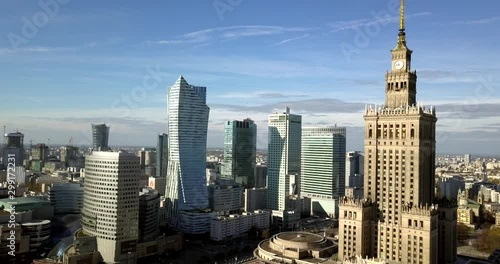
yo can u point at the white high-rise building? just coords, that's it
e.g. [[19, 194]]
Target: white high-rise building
[[283, 158], [323, 167], [111, 204], [187, 146]]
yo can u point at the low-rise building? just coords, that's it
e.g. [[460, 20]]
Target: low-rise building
[[224, 227], [225, 197]]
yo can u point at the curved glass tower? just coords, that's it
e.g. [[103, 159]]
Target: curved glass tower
[[188, 112]]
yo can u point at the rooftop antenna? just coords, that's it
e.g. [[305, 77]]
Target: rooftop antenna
[[48, 144], [31, 143]]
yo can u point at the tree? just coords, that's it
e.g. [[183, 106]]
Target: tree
[[463, 232], [489, 240]]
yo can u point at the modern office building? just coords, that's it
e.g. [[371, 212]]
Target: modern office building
[[255, 199], [323, 168], [187, 140], [354, 169], [235, 225], [40, 152], [467, 159], [100, 137], [260, 176], [158, 183], [225, 198], [13, 151], [162, 155], [111, 204], [149, 206], [240, 147], [68, 155], [67, 198], [283, 158], [399, 221]]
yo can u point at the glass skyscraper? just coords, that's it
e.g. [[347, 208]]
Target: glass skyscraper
[[100, 137], [162, 155], [240, 146], [283, 158], [188, 112]]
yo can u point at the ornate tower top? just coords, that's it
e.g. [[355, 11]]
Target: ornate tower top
[[401, 35]]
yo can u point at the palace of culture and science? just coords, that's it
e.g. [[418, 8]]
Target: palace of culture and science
[[399, 220]]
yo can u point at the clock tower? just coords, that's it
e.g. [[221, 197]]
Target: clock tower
[[401, 82]]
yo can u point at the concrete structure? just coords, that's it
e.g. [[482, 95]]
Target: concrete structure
[[296, 247], [235, 225], [225, 198], [187, 135], [100, 137], [13, 151], [497, 219], [240, 147], [260, 176], [323, 167], [469, 211], [399, 221], [467, 159], [67, 198], [283, 157], [355, 192], [354, 169], [158, 183], [255, 199], [149, 207], [162, 155], [38, 232], [111, 204], [21, 243]]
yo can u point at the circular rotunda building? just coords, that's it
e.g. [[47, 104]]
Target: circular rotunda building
[[296, 247]]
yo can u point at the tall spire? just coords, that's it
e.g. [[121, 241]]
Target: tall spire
[[402, 16], [402, 34]]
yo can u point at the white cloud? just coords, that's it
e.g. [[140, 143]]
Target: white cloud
[[490, 20], [290, 39], [353, 24], [223, 33]]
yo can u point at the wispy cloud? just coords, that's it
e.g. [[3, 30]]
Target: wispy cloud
[[290, 39], [353, 24], [224, 33], [10, 51], [262, 95], [490, 20]]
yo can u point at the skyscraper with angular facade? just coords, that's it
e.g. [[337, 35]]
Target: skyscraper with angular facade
[[162, 155], [283, 158], [13, 149], [240, 147], [187, 139], [399, 221], [323, 167], [100, 137]]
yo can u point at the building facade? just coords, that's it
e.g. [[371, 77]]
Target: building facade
[[13, 150], [232, 226], [255, 199], [162, 155], [100, 137], [111, 204], [149, 207], [323, 166], [67, 198], [225, 198], [187, 140], [354, 169], [283, 157], [240, 147], [403, 223], [260, 176]]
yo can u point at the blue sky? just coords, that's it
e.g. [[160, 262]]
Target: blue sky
[[86, 61]]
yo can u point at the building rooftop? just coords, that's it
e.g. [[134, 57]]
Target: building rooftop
[[24, 203]]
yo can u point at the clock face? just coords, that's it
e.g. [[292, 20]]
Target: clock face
[[399, 65]]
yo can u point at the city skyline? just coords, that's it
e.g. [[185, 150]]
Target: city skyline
[[221, 54]]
